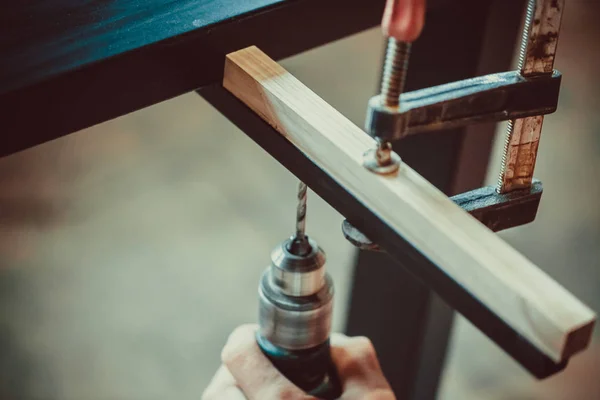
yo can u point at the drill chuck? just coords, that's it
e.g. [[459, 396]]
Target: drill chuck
[[296, 298]]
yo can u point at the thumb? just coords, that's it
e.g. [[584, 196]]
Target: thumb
[[359, 369]]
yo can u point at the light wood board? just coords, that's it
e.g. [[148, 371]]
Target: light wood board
[[507, 283]]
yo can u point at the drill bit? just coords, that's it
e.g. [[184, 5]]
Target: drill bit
[[299, 245], [301, 211]]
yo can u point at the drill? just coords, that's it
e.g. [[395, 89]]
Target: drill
[[296, 299], [295, 292]]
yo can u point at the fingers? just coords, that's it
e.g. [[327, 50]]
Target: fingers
[[404, 19], [223, 387], [359, 369], [253, 372], [248, 374]]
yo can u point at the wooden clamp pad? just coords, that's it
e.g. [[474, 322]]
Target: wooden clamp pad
[[477, 267]]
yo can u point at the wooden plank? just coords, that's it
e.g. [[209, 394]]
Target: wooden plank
[[475, 259]]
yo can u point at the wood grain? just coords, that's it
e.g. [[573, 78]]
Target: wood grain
[[522, 295]]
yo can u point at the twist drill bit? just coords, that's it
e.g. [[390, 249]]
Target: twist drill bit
[[299, 245], [301, 211]]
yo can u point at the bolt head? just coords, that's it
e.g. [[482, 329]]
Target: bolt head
[[372, 162]]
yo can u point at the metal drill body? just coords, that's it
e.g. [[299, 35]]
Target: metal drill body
[[295, 309], [296, 296]]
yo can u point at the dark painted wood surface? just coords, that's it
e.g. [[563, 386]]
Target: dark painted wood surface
[[42, 39], [67, 65]]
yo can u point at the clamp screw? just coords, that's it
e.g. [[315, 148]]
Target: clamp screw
[[394, 71], [384, 121]]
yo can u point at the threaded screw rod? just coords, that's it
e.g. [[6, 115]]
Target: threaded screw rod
[[395, 68], [394, 71]]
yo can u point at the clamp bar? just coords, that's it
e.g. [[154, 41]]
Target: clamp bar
[[538, 51]]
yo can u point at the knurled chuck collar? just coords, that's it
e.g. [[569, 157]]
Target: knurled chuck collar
[[296, 299], [298, 275]]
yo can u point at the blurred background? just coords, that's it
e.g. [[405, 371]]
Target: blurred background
[[130, 250]]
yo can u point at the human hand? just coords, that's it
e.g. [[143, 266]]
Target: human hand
[[403, 19], [247, 374]]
